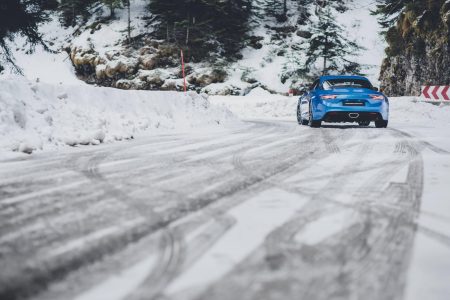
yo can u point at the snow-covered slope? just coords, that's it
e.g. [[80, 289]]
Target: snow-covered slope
[[276, 55], [39, 115], [45, 66], [278, 52]]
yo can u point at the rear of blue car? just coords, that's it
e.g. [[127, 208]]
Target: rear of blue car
[[336, 99]]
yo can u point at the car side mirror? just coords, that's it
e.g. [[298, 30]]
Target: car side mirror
[[376, 89]]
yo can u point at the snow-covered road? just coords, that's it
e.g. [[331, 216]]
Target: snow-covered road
[[271, 210]]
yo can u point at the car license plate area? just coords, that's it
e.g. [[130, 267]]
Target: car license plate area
[[353, 103]]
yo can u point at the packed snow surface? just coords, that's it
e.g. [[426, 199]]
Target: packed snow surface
[[40, 116]]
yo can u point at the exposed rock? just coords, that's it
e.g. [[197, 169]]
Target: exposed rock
[[282, 52], [147, 50], [155, 78], [148, 61], [173, 85], [418, 53], [152, 66], [126, 84], [111, 55], [112, 68], [100, 71], [304, 34], [255, 42], [203, 78], [222, 89]]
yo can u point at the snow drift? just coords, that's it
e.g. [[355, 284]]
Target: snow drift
[[39, 116]]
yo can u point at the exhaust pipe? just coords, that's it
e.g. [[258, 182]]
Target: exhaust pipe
[[353, 115]]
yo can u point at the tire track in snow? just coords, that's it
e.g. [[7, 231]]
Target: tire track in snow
[[34, 280], [273, 259], [168, 270], [177, 252], [370, 244], [69, 164]]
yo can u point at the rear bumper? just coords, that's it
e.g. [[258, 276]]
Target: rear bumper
[[351, 116], [334, 111]]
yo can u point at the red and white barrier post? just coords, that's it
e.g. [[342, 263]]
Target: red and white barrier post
[[436, 93], [182, 68]]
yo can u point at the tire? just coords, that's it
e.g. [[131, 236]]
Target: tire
[[312, 123], [300, 120], [364, 123], [381, 124]]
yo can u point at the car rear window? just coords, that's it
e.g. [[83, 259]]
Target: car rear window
[[346, 83]]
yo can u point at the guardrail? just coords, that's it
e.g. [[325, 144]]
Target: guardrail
[[435, 93]]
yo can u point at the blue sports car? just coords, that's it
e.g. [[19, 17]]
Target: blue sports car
[[338, 99]]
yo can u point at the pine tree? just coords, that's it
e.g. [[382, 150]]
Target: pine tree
[[303, 8], [73, 9], [202, 25], [329, 44], [306, 6], [112, 5], [388, 11], [277, 9], [21, 17], [128, 6]]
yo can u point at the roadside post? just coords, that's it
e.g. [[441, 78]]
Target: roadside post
[[182, 68]]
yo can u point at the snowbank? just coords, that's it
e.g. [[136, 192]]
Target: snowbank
[[39, 116], [408, 110], [258, 104], [430, 123]]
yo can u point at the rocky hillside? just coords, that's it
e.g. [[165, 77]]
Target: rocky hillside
[[274, 53], [419, 49]]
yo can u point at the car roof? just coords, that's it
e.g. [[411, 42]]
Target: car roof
[[330, 77]]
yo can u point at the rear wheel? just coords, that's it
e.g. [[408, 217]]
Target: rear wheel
[[364, 123], [311, 121], [300, 119], [381, 124]]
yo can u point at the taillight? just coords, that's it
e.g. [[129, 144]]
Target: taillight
[[328, 97], [377, 97]]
